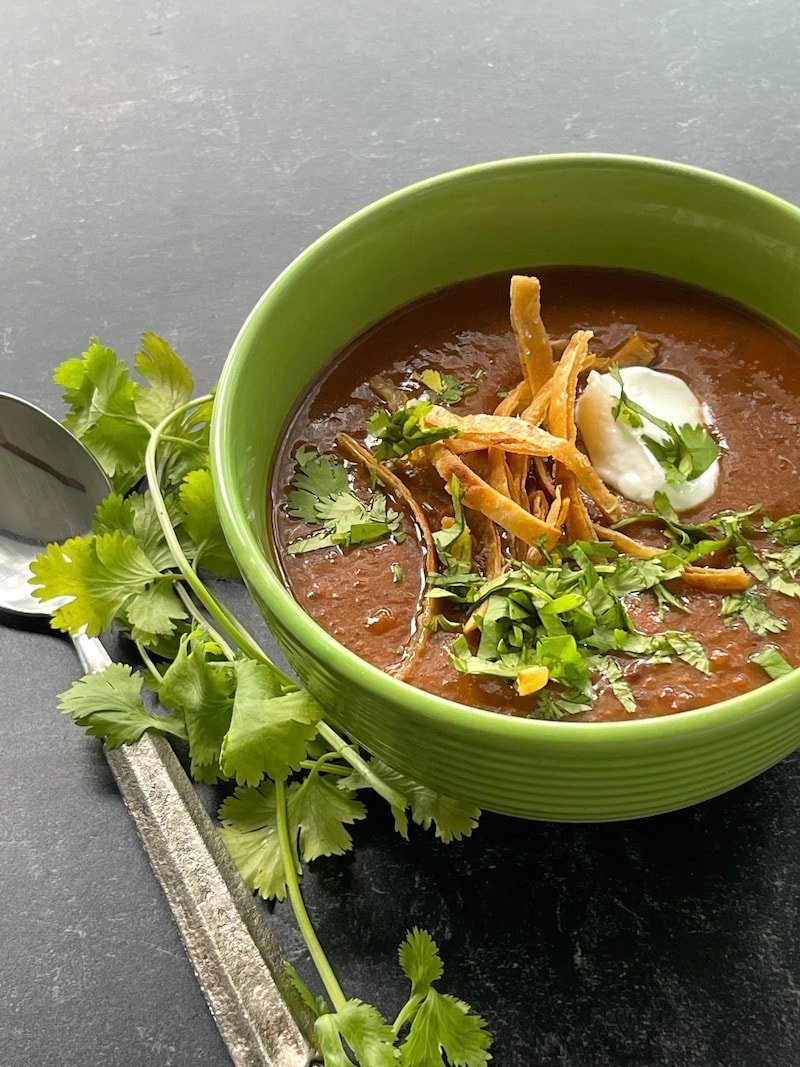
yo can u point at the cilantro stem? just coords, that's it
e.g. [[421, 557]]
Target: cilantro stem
[[406, 1013], [323, 764], [290, 862], [196, 614], [156, 673], [358, 763], [229, 624]]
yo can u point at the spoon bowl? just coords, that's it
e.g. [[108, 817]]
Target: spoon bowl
[[50, 486]]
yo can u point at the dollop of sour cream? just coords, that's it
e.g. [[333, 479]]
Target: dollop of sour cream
[[617, 451]]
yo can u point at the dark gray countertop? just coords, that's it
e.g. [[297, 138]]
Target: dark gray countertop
[[162, 161]]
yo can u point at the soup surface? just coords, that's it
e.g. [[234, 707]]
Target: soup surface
[[371, 596]]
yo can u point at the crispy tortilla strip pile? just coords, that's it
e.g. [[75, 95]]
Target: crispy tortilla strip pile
[[538, 485], [535, 473]]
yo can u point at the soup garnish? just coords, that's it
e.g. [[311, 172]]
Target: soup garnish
[[563, 574]]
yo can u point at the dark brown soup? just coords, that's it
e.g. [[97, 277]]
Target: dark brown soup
[[743, 370]]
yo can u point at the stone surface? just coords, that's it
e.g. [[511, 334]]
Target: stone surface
[[162, 162]]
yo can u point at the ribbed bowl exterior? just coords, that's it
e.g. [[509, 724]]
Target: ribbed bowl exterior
[[595, 210]]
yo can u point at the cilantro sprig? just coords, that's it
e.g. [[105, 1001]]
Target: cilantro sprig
[[322, 496], [296, 780], [686, 451]]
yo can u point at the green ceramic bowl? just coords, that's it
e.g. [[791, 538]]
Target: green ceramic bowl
[[595, 210]]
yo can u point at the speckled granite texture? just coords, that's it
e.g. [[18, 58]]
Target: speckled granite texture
[[162, 162]]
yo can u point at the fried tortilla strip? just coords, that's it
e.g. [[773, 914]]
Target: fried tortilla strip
[[486, 538], [717, 579], [499, 476], [397, 488], [636, 352], [625, 544], [561, 422], [400, 491], [561, 413], [709, 579], [519, 396], [477, 432], [518, 469], [533, 344], [544, 477], [536, 411], [538, 505], [480, 496], [559, 509]]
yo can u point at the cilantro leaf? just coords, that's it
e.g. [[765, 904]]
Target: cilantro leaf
[[104, 575], [454, 543], [444, 1024], [772, 662], [168, 376], [109, 705], [202, 691], [611, 671], [451, 818], [752, 609], [101, 398], [201, 522], [322, 812], [420, 961], [365, 1031], [449, 388], [317, 478], [269, 729], [441, 1023], [318, 811], [250, 833], [554, 706], [401, 432], [66, 570], [685, 452], [321, 496], [135, 515]]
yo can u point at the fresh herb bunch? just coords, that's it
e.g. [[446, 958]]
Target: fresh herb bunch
[[295, 780], [686, 451]]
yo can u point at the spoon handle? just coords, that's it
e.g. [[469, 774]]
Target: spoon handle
[[237, 960]]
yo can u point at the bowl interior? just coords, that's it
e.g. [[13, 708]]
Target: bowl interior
[[626, 212]]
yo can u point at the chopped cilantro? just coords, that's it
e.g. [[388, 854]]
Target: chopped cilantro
[[449, 388], [771, 661], [562, 615], [612, 672], [752, 609], [454, 544], [401, 432], [321, 496]]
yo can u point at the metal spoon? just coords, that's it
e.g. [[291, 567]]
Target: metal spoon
[[49, 488]]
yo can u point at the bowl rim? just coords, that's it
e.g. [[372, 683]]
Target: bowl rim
[[322, 645]]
